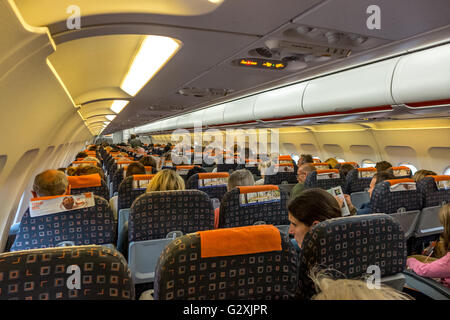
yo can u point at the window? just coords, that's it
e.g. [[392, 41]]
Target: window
[[295, 158], [340, 160], [368, 164], [447, 171], [410, 166]]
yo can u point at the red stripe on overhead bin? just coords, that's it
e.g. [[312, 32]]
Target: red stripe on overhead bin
[[428, 103]]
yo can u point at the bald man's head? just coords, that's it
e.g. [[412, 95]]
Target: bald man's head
[[50, 183]]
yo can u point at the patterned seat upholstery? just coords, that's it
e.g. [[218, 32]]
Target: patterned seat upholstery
[[349, 245], [66, 273], [216, 189], [313, 180], [116, 179], [127, 194], [89, 183], [153, 215], [234, 212], [432, 196], [358, 180], [384, 200], [282, 177], [226, 167], [189, 269], [93, 225]]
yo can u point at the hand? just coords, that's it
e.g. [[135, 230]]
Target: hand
[[349, 202]]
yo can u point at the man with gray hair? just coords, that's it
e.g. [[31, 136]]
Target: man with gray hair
[[303, 171], [50, 183]]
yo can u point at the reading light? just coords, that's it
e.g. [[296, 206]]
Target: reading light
[[110, 117], [118, 105], [153, 54]]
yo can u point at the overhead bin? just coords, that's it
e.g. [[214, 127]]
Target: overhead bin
[[423, 78], [239, 110], [151, 127], [213, 115], [359, 88], [278, 103]]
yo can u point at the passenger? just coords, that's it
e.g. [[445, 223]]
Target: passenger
[[376, 179], [383, 166], [71, 171], [92, 148], [87, 170], [305, 158], [50, 183], [81, 155], [436, 268], [92, 159], [148, 161], [352, 289], [166, 180], [420, 174], [346, 168], [309, 208], [265, 168], [193, 171], [240, 178], [302, 173], [332, 162], [135, 168]]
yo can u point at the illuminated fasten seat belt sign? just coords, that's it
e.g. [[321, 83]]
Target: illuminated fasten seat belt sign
[[260, 63]]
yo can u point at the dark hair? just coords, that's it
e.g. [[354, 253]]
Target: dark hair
[[384, 175], [81, 155], [306, 158], [383, 166], [314, 205], [346, 168], [193, 171], [135, 168], [92, 148], [148, 161]]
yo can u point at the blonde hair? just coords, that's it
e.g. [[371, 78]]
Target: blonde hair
[[351, 289], [419, 175], [332, 162], [444, 218], [166, 180]]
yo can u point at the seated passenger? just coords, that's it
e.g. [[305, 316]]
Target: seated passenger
[[50, 183], [148, 161], [265, 168], [93, 159], [420, 174], [346, 168], [352, 289], [135, 168], [383, 166], [332, 162], [193, 171], [81, 155], [240, 178], [309, 208], [376, 179], [87, 170], [92, 148], [305, 158], [166, 180], [433, 267], [303, 171]]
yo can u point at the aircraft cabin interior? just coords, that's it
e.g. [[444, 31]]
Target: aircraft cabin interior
[[308, 99]]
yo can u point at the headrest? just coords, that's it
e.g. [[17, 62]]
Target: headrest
[[285, 167], [211, 175], [366, 172], [402, 184], [49, 205], [239, 241], [254, 195], [442, 181], [87, 181], [148, 169], [327, 174], [141, 181], [123, 164], [285, 158], [78, 163], [321, 166], [401, 171], [91, 153], [367, 169]]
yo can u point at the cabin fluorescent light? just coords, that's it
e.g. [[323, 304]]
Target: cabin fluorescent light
[[110, 117], [118, 105], [154, 53]]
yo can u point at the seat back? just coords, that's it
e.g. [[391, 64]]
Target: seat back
[[395, 195], [429, 223], [435, 190], [285, 174], [243, 206], [153, 215], [89, 183], [358, 180], [213, 184], [226, 167], [67, 273], [350, 245], [255, 262], [84, 226], [325, 179], [131, 188]]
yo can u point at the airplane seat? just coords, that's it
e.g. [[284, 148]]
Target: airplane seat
[[325, 179], [243, 206], [226, 167], [435, 190], [84, 226], [213, 184], [132, 187], [358, 180], [353, 247], [66, 273], [89, 183], [251, 263], [253, 168], [400, 198], [402, 172], [155, 218], [286, 174], [184, 170]]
